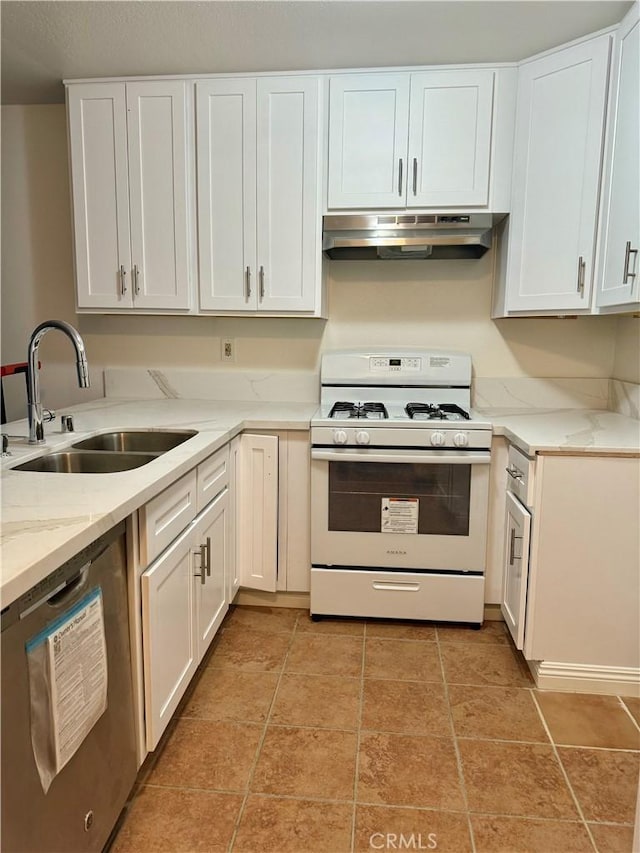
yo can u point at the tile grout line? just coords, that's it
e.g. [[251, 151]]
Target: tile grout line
[[564, 772], [358, 734], [256, 758], [463, 786], [624, 705]]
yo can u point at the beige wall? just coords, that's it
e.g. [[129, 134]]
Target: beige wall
[[429, 303], [626, 365]]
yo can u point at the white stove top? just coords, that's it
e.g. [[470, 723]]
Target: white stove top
[[376, 378]]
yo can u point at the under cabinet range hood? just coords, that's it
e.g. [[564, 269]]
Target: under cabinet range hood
[[436, 236]]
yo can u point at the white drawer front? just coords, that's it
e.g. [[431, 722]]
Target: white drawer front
[[397, 595], [213, 476], [166, 516]]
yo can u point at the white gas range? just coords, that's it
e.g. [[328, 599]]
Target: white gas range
[[400, 474]]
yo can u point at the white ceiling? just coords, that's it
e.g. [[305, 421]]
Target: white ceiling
[[44, 42]]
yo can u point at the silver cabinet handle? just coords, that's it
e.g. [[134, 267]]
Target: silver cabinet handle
[[123, 286], [202, 574], [136, 280], [628, 251], [207, 548], [261, 280], [400, 177], [247, 283], [512, 546], [415, 175], [514, 472], [581, 269]]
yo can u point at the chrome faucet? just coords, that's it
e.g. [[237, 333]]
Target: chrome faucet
[[34, 407]]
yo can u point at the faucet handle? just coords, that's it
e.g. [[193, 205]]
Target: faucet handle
[[66, 423], [5, 445], [48, 415]]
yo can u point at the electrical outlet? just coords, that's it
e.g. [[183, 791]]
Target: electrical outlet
[[228, 350]]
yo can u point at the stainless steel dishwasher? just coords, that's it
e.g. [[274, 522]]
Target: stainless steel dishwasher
[[85, 798]]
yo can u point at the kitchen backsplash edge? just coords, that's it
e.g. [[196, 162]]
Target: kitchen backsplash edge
[[302, 386]]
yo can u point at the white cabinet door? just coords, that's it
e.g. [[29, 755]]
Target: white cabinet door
[[556, 179], [158, 197], [516, 567], [226, 164], [288, 193], [128, 146], [620, 267], [368, 121], [449, 138], [257, 520], [168, 632], [100, 191], [209, 552], [233, 565]]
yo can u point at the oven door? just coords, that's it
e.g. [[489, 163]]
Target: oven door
[[399, 509]]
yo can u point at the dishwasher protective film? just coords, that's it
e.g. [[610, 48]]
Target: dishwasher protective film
[[67, 683]]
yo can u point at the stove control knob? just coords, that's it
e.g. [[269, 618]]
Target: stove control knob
[[362, 437], [437, 439], [461, 439], [340, 436]]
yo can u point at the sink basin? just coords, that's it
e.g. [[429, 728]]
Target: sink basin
[[136, 441], [83, 462]]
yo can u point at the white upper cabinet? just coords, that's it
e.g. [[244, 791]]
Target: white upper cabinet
[[619, 268], [258, 161], [129, 173], [449, 138], [415, 140], [556, 180]]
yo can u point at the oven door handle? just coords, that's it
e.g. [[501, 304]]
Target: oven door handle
[[430, 457]]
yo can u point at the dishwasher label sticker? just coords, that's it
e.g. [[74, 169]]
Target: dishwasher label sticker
[[399, 515], [68, 681]]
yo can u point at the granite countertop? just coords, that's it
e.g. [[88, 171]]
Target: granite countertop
[[47, 518], [575, 431]]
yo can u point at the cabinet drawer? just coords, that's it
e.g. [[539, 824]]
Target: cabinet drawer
[[520, 471], [212, 477], [166, 516]]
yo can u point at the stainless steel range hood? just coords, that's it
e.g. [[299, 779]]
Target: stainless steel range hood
[[420, 236]]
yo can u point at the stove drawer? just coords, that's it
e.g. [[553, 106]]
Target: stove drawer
[[397, 595]]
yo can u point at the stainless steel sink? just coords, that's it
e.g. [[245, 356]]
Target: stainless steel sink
[[86, 462], [138, 441]]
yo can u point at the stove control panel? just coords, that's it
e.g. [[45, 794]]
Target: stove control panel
[[378, 435], [392, 364]]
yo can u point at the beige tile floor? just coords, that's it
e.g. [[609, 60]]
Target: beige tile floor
[[344, 735]]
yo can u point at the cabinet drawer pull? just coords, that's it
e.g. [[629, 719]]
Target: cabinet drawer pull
[[628, 251], [514, 472], [415, 176], [123, 286], [581, 269], [261, 280], [400, 177], [136, 280], [247, 283], [397, 587]]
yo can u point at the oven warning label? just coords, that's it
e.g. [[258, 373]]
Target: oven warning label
[[399, 515]]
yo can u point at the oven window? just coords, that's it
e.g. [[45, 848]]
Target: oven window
[[357, 491]]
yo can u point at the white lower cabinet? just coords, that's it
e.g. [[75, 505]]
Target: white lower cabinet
[[576, 614], [168, 636], [183, 593], [257, 512], [516, 566]]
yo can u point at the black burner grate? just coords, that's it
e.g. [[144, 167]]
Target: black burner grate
[[436, 411]]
